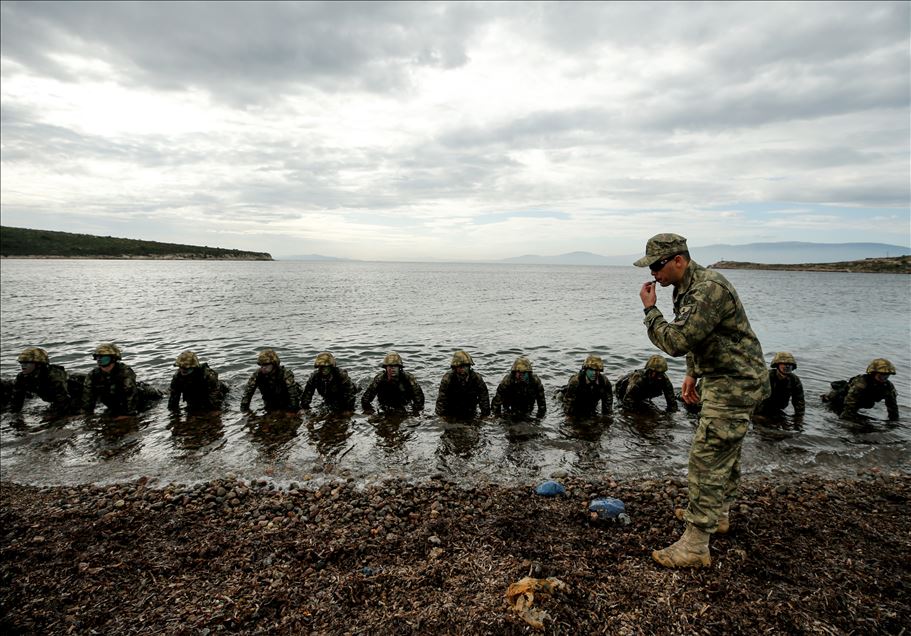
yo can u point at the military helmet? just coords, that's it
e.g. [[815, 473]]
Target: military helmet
[[593, 362], [656, 363], [392, 359], [107, 349], [783, 357], [460, 358], [187, 360], [34, 354], [267, 356], [325, 359], [522, 364], [881, 365]]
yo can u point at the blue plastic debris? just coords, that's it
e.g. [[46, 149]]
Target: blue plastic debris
[[368, 571], [550, 489], [607, 508]]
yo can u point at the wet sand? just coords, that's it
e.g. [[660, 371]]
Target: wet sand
[[808, 556]]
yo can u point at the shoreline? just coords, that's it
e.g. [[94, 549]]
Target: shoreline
[[803, 555], [887, 265]]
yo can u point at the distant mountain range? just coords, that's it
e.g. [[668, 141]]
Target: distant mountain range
[[772, 253], [311, 257]]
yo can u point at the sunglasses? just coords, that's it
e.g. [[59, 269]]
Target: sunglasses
[[657, 266]]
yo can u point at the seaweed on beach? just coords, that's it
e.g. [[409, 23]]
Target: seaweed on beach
[[809, 556]]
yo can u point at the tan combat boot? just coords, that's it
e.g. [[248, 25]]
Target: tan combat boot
[[690, 551], [724, 519]]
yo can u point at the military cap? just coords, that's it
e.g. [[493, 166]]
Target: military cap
[[661, 246]]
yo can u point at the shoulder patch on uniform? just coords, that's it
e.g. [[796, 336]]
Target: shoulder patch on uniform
[[685, 312]]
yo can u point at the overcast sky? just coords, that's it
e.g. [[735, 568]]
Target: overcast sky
[[457, 130]]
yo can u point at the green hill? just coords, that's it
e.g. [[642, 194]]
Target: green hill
[[889, 265], [18, 242]]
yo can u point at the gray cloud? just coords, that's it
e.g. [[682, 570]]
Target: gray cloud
[[246, 52]]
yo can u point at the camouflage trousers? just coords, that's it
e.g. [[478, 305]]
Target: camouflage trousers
[[714, 464]]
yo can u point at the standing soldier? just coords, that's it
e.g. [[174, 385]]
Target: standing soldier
[[786, 387], [197, 384], [462, 390], [847, 397], [711, 329], [275, 383], [586, 388], [332, 383], [635, 389], [48, 381], [519, 391], [395, 388], [114, 384]]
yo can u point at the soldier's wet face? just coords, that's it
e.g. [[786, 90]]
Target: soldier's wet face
[[881, 377], [590, 374], [461, 369], [325, 371], [186, 370], [391, 371], [521, 376], [668, 270], [265, 369], [784, 369], [652, 375], [27, 367]]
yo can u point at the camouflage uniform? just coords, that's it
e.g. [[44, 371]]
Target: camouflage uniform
[[581, 395], [461, 395], [517, 397], [278, 389], [201, 389], [712, 329], [118, 391], [784, 389], [336, 389], [637, 387], [862, 392], [50, 383], [395, 394]]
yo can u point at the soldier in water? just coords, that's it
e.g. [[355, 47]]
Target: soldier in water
[[637, 388], [197, 384], [114, 384], [847, 397], [276, 385], [786, 387], [394, 388], [50, 382], [586, 389], [462, 390], [332, 383], [519, 391]]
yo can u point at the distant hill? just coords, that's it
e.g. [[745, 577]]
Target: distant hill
[[784, 252], [311, 257], [891, 265], [572, 258], [24, 243]]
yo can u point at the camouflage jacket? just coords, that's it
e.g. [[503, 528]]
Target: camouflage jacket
[[394, 395], [278, 389], [581, 397], [200, 388], [48, 382], [864, 392], [515, 397], [462, 399], [117, 390], [784, 389], [636, 387], [712, 329], [337, 390]]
